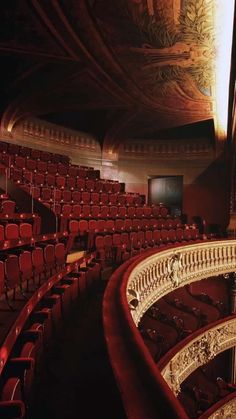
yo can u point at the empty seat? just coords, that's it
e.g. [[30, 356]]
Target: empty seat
[[60, 181], [76, 196], [66, 196], [60, 255], [85, 197], [8, 207], [12, 231], [26, 232], [70, 182], [76, 211], [42, 166]]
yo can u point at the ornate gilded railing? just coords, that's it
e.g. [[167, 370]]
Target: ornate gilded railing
[[160, 273], [200, 350]]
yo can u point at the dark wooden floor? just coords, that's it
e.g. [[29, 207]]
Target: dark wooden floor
[[76, 380]]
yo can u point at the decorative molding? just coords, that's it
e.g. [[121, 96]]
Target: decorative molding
[[228, 411], [37, 133], [198, 352], [159, 274], [168, 148]]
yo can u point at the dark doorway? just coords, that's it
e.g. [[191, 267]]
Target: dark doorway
[[167, 190]]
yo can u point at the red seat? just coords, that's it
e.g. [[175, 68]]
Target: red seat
[[38, 263], [98, 186], [119, 225], [16, 174], [83, 227], [131, 212], [11, 404], [136, 224], [89, 185], [104, 211], [66, 210], [2, 277], [86, 211], [49, 257], [73, 227], [139, 212], [30, 164], [108, 187], [46, 194], [101, 225], [20, 162], [8, 207], [60, 182], [81, 172], [157, 237], [26, 232], [149, 238], [62, 169], [85, 197], [12, 231], [76, 211], [12, 271], [26, 266], [116, 187], [113, 212], [104, 198], [38, 179], [35, 154], [25, 151], [95, 199], [35, 192], [121, 199], [99, 244], [56, 195], [52, 168], [60, 255], [72, 171], [129, 199], [80, 184], [42, 166], [76, 196], [121, 212], [147, 211], [113, 198], [70, 182], [128, 224], [110, 226], [50, 180], [66, 196], [95, 211]]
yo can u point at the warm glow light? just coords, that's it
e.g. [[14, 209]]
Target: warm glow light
[[224, 17]]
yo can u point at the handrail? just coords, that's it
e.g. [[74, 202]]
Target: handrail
[[132, 289]]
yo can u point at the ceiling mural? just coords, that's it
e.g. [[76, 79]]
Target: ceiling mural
[[167, 46], [145, 65]]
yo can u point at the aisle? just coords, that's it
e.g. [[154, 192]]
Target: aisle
[[77, 380]]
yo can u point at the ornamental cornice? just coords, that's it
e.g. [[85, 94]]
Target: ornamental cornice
[[227, 411], [198, 352]]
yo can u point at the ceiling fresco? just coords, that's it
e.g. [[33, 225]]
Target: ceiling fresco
[[145, 65]]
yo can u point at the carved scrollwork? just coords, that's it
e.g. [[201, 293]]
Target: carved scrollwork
[[228, 411], [133, 299], [198, 352], [174, 266]]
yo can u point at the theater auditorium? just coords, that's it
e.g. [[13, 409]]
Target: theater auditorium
[[117, 209]]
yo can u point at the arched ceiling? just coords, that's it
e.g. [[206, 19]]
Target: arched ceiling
[[116, 68]]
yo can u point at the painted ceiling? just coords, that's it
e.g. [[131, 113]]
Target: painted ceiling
[[117, 68]]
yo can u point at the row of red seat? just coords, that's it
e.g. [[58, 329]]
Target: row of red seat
[[119, 225], [124, 245], [112, 212], [61, 182], [56, 195], [10, 148], [26, 357], [33, 264], [26, 169]]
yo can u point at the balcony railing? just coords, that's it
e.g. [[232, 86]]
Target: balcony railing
[[133, 288], [162, 272]]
